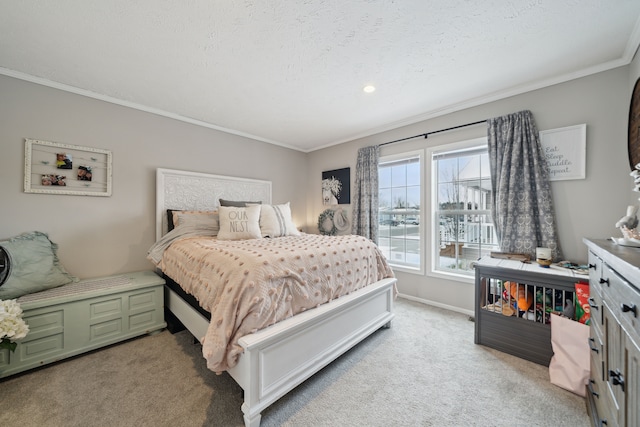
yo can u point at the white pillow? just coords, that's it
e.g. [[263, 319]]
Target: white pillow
[[237, 223], [275, 221]]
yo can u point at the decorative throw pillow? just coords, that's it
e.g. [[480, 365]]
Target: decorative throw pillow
[[237, 223], [170, 218], [173, 219], [239, 204], [275, 221], [200, 219], [32, 266]]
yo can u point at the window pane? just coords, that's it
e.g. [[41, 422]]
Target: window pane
[[413, 197], [399, 210], [398, 249], [448, 231], [449, 196], [384, 243], [413, 174], [383, 230], [384, 198], [485, 194], [447, 169], [399, 197], [484, 165], [384, 177], [465, 230], [469, 168], [399, 176], [413, 251]]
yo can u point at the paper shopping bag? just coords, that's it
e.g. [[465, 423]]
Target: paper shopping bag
[[569, 367]]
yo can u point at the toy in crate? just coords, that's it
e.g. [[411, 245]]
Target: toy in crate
[[537, 303], [583, 309], [549, 300], [572, 305], [521, 296]]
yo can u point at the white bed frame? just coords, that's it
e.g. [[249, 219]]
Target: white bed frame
[[280, 357]]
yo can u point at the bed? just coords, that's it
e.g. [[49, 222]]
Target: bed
[[275, 359]]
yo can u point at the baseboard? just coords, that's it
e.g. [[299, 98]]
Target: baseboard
[[437, 304]]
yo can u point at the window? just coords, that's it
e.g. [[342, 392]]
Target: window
[[399, 215], [462, 228]]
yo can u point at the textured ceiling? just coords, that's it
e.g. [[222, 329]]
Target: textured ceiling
[[292, 72]]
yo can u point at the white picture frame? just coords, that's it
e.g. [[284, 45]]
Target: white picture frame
[[55, 168], [566, 152]]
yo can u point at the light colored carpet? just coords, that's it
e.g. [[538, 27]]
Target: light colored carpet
[[424, 371]]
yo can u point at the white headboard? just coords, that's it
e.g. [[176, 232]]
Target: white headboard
[[185, 190]]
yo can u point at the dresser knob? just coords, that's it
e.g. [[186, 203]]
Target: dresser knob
[[604, 281], [592, 266], [616, 378], [592, 303], [591, 390], [629, 308], [592, 341]]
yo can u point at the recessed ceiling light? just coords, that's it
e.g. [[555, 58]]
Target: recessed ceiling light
[[369, 88]]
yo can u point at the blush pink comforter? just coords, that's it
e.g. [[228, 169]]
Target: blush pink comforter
[[248, 285]]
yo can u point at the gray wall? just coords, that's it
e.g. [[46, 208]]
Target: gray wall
[[584, 208], [634, 72], [110, 235], [100, 236]]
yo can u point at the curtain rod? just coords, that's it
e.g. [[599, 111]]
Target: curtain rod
[[432, 132]]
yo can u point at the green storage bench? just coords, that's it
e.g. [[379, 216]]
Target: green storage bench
[[86, 315]]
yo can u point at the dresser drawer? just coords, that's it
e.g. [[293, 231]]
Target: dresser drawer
[[599, 394], [623, 300], [597, 311], [595, 272], [597, 349]]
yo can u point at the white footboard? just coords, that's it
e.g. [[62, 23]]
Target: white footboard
[[279, 358]]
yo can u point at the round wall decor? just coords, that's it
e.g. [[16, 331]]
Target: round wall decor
[[634, 127], [5, 265], [325, 223]]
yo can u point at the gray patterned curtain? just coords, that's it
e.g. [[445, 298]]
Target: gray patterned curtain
[[522, 206], [365, 203]]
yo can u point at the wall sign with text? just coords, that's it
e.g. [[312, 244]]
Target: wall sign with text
[[565, 150]]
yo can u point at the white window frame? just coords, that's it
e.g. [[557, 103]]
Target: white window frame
[[432, 230], [400, 156]]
